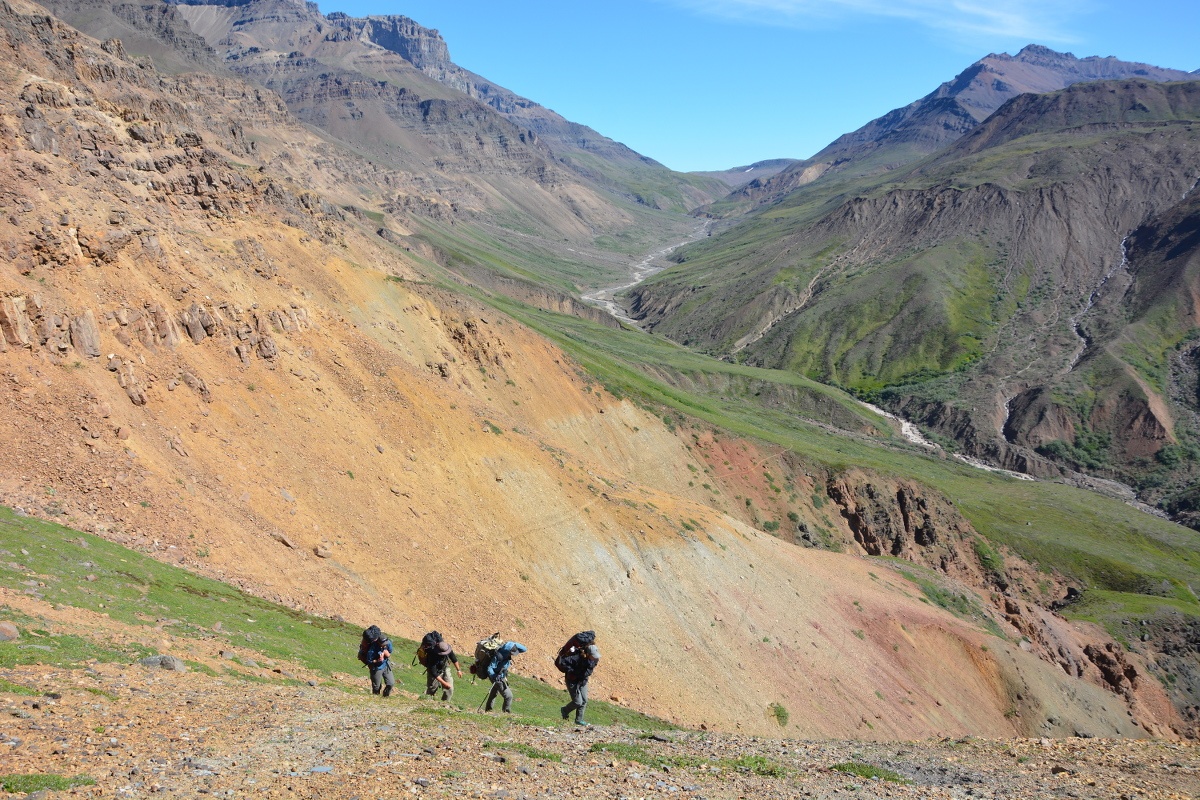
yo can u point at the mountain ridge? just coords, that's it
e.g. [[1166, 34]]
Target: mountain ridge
[[956, 107]]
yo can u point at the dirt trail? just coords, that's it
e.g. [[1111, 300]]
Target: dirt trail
[[141, 732]]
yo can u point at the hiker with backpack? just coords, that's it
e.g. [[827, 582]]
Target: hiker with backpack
[[375, 651], [493, 656], [436, 655], [576, 660]]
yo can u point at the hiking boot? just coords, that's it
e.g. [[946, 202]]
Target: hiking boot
[[487, 709], [583, 724], [566, 714]]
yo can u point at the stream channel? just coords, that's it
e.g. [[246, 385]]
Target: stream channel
[[606, 299]]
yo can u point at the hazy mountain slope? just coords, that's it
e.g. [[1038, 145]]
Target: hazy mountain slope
[[906, 134], [1130, 407], [209, 357], [588, 152], [150, 28], [967, 281], [291, 27], [759, 170]]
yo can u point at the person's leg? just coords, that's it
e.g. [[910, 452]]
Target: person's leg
[[508, 696], [431, 682], [572, 691], [448, 677], [389, 680], [580, 700], [491, 698], [376, 680]]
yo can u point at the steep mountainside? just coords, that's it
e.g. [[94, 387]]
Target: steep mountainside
[[254, 36], [588, 152], [385, 88], [212, 354], [906, 134], [987, 277]]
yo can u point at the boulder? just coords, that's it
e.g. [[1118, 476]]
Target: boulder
[[85, 334], [14, 324], [165, 662], [282, 539], [8, 631]]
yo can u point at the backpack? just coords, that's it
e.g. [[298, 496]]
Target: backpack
[[427, 652], [572, 657], [369, 637], [485, 652]]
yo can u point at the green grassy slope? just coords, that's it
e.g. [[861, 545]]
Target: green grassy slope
[[70, 568], [509, 247], [927, 301]]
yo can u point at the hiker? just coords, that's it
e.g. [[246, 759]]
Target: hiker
[[375, 650], [497, 673], [437, 670], [576, 660]]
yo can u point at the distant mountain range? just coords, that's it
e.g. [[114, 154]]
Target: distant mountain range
[[981, 261], [386, 86], [957, 106]]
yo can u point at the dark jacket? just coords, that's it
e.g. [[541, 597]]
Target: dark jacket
[[581, 661], [437, 661]]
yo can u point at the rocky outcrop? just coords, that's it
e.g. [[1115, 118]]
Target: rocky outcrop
[[902, 520], [25, 322], [889, 517], [423, 47]]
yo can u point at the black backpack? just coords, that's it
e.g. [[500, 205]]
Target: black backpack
[[427, 652], [369, 637], [572, 658]]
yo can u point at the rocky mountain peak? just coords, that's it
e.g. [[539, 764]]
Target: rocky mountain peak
[[1039, 53], [951, 110]]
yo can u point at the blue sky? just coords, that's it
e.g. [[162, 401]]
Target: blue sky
[[713, 84]]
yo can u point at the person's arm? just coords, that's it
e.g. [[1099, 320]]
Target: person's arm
[[454, 661], [591, 657]]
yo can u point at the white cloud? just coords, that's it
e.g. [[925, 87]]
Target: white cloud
[[1030, 20]]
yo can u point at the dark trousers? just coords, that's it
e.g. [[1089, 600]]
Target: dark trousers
[[382, 679], [499, 689], [579, 696]]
